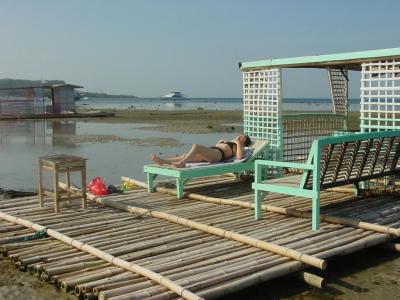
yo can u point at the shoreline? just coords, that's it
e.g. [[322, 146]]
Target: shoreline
[[181, 121], [192, 121]]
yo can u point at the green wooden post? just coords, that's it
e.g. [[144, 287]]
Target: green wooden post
[[356, 189], [258, 193], [258, 200], [393, 179], [316, 186], [150, 179], [179, 188]]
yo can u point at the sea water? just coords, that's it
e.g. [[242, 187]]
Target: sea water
[[23, 142]]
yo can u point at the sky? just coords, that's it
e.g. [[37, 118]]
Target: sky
[[148, 48]]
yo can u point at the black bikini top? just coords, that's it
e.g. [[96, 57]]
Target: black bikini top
[[230, 144]]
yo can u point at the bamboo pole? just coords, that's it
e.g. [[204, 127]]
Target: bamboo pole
[[236, 285], [105, 256], [190, 259], [66, 283], [252, 282], [311, 279], [305, 258], [285, 211], [392, 246]]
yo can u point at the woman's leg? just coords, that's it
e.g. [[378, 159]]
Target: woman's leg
[[199, 153], [166, 161]]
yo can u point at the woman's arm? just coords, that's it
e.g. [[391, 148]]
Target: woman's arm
[[240, 152]]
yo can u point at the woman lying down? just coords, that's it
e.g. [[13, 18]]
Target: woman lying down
[[222, 151]]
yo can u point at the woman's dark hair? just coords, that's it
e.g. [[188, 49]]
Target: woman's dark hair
[[247, 141]]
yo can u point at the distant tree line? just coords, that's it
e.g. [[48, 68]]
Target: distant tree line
[[13, 83], [105, 95]]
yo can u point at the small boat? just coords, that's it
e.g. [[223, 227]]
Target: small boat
[[176, 95]]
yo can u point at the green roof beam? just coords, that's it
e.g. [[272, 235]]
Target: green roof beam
[[351, 60]]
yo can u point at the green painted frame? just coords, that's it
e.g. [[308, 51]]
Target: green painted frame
[[184, 174], [350, 59], [313, 165]]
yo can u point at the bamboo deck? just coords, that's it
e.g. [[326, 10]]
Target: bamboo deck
[[205, 264]]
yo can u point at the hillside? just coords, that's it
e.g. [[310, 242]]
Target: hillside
[[105, 95], [11, 83]]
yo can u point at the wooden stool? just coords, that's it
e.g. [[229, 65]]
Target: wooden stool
[[62, 164]]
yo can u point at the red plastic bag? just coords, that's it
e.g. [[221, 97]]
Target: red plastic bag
[[97, 186]]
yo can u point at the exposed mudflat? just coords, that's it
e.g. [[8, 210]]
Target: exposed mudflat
[[15, 285], [103, 138], [190, 121]]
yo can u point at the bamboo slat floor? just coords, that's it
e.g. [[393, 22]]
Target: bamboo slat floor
[[205, 264]]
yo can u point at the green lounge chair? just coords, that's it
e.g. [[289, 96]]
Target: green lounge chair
[[333, 161], [182, 175]]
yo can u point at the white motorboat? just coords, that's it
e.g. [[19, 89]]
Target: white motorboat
[[176, 95]]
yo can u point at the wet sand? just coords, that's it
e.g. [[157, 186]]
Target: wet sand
[[16, 285]]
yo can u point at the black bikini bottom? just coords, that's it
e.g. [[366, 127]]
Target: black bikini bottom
[[221, 151]]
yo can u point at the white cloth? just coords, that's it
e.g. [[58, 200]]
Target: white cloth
[[247, 154]]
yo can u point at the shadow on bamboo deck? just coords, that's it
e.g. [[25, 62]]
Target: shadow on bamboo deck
[[202, 262]]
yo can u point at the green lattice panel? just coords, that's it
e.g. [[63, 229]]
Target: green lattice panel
[[380, 96], [262, 107]]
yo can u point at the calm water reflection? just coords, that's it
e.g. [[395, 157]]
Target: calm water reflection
[[23, 142]]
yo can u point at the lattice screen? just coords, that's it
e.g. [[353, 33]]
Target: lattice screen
[[339, 82], [262, 107], [300, 130], [380, 96]]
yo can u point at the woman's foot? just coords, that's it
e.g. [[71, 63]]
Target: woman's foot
[[158, 160]]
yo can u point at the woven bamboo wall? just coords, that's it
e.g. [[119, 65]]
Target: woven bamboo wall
[[300, 130]]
